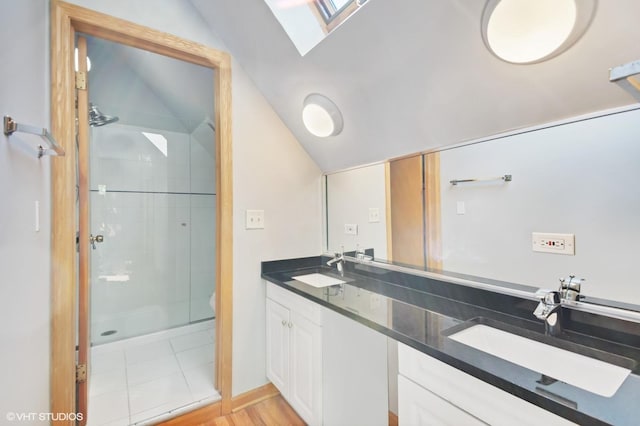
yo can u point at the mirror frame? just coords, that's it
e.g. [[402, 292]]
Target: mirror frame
[[67, 19]]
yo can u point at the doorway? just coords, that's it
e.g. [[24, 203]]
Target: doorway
[[67, 20], [151, 199]]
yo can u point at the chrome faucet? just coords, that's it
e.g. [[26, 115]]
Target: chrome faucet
[[549, 310], [570, 288], [339, 261]]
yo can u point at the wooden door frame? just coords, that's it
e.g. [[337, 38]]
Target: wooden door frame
[[84, 232], [66, 20]]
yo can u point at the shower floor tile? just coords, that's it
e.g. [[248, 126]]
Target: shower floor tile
[[200, 380], [148, 351], [108, 407], [107, 362], [165, 390], [152, 369], [112, 381], [195, 357], [190, 341], [140, 380]]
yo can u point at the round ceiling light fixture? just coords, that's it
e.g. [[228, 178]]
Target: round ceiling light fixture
[[529, 31], [321, 116]]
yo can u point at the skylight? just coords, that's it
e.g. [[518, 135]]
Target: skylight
[[158, 141], [308, 22], [330, 9]]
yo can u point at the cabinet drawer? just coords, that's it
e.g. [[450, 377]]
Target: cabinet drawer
[[480, 399], [294, 302], [418, 406]]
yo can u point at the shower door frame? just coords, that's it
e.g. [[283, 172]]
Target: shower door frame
[[66, 20]]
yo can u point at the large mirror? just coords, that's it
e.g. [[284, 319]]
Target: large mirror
[[578, 177]]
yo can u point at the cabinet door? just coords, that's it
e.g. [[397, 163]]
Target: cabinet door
[[482, 400], [417, 406], [354, 373], [278, 346], [305, 386]]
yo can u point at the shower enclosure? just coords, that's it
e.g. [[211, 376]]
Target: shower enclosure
[[152, 187], [153, 202]]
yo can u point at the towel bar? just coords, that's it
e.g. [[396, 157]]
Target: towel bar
[[506, 178], [10, 126]]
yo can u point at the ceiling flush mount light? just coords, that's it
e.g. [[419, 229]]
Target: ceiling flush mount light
[[320, 116], [529, 31]]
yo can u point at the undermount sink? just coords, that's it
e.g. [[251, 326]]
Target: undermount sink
[[590, 374], [318, 280]]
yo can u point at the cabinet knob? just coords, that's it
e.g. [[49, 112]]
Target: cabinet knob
[[290, 325], [284, 322]]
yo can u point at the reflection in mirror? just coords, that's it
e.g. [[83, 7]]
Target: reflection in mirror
[[577, 178], [356, 214]]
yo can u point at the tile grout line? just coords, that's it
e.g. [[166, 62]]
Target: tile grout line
[[175, 354], [126, 376]]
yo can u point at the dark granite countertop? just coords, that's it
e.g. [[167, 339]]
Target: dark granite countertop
[[421, 312]]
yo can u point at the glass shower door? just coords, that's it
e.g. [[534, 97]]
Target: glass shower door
[[158, 224]]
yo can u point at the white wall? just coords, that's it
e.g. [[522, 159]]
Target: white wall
[[271, 172], [579, 178], [350, 195], [24, 253]]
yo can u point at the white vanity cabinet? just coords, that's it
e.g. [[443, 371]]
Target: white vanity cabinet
[[294, 351], [354, 373], [331, 369], [419, 406], [432, 392]]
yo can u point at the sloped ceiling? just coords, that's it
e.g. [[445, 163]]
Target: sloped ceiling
[[149, 90], [414, 75]]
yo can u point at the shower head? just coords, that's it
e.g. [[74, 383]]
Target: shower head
[[97, 118]]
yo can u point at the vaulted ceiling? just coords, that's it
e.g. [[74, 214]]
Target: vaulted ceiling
[[149, 90], [414, 75]]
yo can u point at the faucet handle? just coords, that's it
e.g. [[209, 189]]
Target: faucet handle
[[570, 287], [547, 296], [552, 298]]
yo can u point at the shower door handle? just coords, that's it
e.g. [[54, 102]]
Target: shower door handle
[[96, 239]]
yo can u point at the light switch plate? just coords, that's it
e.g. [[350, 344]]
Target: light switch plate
[[553, 243], [255, 219], [374, 215]]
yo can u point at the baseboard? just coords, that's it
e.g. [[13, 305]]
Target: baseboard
[[253, 397], [196, 417]]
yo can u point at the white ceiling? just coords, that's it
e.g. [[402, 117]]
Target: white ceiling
[[413, 75]]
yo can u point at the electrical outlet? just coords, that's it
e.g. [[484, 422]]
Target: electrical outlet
[[553, 243], [350, 229], [255, 219], [374, 215]]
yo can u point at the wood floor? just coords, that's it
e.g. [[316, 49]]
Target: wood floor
[[271, 412]]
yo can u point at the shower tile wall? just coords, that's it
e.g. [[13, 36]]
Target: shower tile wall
[[156, 266], [203, 245]]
